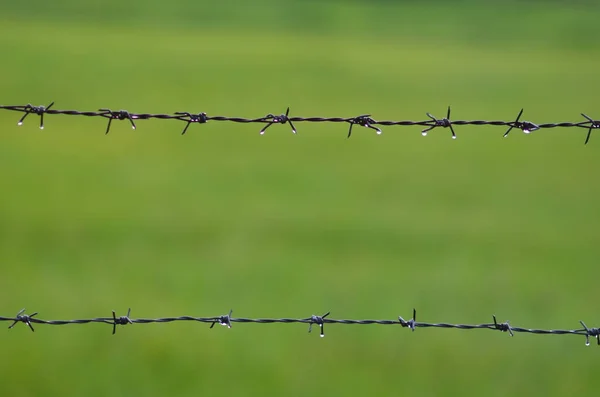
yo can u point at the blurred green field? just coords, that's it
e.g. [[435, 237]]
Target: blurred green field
[[289, 226]]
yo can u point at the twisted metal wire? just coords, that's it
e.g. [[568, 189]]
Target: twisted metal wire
[[227, 320], [364, 120]]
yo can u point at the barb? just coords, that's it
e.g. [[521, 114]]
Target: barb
[[223, 320], [123, 320], [524, 126], [270, 119], [594, 124], [23, 318], [226, 320], [191, 118], [319, 320], [365, 121], [445, 123], [281, 119], [39, 110], [119, 115]]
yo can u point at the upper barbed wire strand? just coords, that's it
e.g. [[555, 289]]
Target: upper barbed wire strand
[[362, 120]]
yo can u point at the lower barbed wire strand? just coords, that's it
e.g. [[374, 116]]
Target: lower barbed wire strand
[[108, 320]]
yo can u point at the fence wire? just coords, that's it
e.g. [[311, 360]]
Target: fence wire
[[227, 320], [364, 120], [268, 120]]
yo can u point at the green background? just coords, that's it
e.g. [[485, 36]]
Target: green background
[[290, 226]]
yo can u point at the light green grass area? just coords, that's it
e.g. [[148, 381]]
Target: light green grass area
[[289, 226]]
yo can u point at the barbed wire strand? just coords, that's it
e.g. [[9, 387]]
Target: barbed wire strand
[[227, 320], [364, 120]]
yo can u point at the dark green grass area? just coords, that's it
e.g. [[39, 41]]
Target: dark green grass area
[[289, 226]]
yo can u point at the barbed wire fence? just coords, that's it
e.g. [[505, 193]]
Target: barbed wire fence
[[227, 320], [364, 120], [268, 120]]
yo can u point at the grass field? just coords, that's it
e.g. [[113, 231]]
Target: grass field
[[289, 226]]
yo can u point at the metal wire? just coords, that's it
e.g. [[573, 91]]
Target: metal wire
[[364, 120], [226, 320], [268, 120]]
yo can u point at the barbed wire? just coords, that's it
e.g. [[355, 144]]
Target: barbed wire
[[364, 120], [227, 320]]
